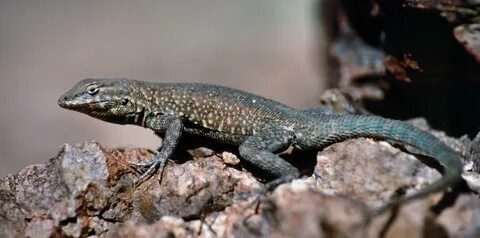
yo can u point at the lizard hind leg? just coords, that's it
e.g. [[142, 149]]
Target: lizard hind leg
[[259, 150]]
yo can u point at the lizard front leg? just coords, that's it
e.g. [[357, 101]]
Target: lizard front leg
[[259, 151], [173, 128]]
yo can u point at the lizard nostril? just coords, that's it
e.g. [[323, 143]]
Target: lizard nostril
[[62, 101]]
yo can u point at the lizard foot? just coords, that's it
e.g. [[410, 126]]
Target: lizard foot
[[141, 165], [152, 165], [147, 174]]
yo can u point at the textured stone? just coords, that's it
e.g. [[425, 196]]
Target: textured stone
[[86, 190]]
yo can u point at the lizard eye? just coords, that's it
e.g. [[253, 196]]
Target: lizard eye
[[92, 90], [125, 101]]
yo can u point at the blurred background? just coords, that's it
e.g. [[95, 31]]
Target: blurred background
[[397, 60], [266, 47]]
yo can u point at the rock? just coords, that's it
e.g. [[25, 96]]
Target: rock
[[369, 171], [356, 60], [229, 158], [474, 153], [190, 190], [166, 227], [58, 197], [86, 190], [468, 35], [294, 212], [462, 219]]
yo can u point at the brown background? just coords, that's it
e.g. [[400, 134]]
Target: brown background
[[265, 47]]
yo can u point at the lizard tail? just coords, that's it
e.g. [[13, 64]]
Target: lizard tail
[[341, 127]]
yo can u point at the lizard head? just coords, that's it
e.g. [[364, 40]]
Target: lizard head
[[106, 99]]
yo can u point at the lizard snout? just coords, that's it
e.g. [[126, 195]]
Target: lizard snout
[[63, 101]]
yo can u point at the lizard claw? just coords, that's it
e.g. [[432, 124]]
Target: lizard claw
[[148, 173], [152, 165], [140, 165]]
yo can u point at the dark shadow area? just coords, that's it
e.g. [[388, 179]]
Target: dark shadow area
[[446, 88], [303, 160]]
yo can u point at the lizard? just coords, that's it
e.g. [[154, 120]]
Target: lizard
[[260, 127]]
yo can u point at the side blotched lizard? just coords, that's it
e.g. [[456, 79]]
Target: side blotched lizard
[[259, 126]]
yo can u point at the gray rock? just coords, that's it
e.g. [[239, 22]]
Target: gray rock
[[86, 190]]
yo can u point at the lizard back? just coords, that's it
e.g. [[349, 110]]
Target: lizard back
[[219, 108]]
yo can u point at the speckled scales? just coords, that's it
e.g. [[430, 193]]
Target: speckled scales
[[259, 126]]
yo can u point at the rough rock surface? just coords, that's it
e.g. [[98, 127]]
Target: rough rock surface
[[86, 190]]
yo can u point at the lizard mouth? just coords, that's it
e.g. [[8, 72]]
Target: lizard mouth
[[89, 106]]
